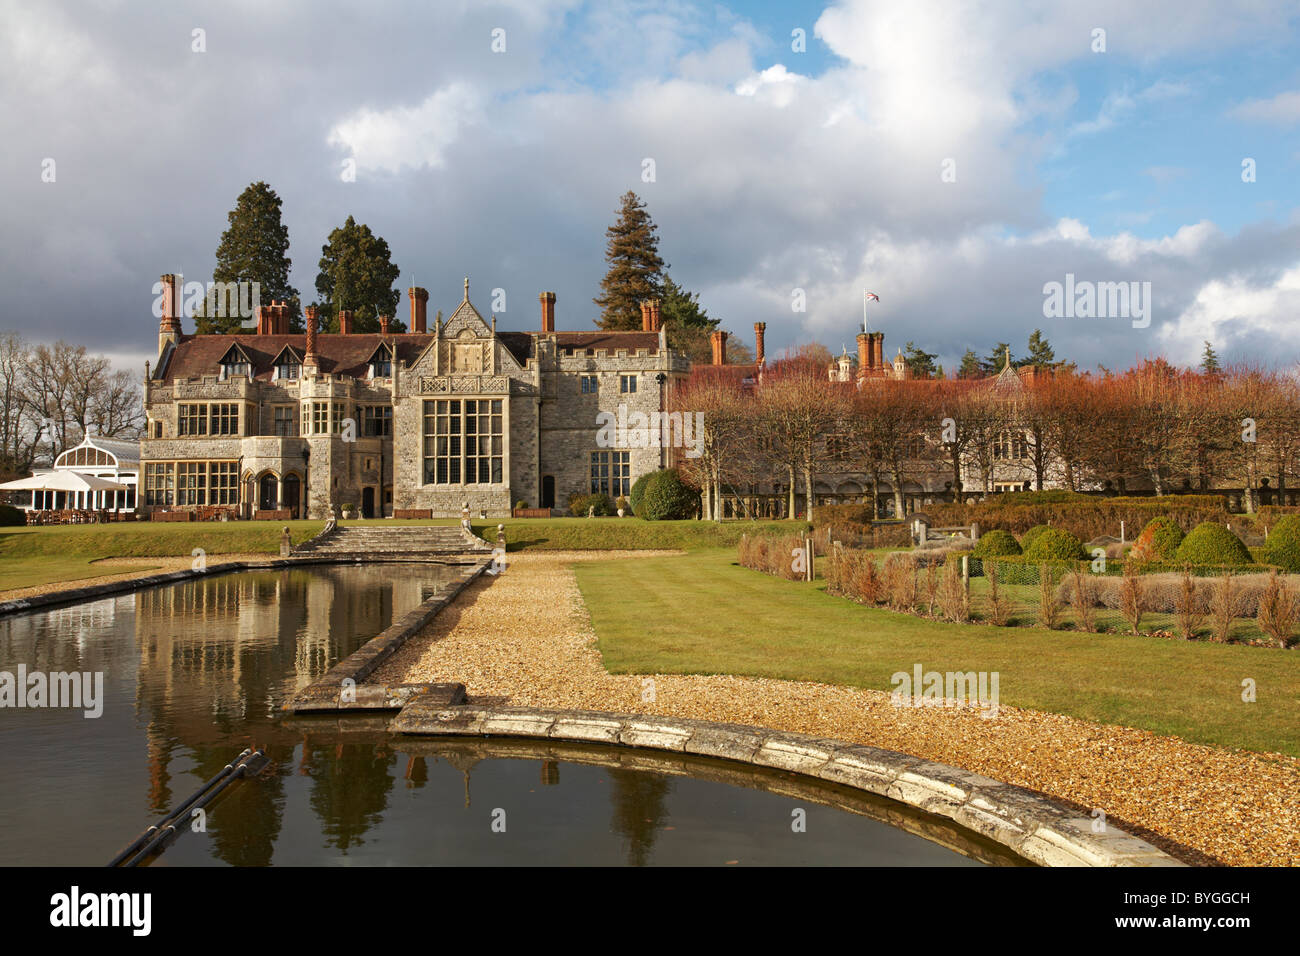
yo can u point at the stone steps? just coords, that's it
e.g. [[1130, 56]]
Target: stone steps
[[395, 541]]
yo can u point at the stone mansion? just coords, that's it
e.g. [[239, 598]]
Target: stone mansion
[[277, 425]]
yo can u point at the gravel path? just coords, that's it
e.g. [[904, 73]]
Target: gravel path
[[527, 636]]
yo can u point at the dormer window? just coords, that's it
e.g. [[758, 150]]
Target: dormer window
[[381, 363], [236, 362], [288, 365]]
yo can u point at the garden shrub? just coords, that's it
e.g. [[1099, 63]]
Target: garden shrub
[[1158, 540], [638, 492], [1028, 537], [1283, 546], [1278, 610], [1211, 543], [667, 498], [11, 517], [1054, 544], [996, 543], [579, 505]]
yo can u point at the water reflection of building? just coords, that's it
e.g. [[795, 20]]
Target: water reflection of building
[[219, 655]]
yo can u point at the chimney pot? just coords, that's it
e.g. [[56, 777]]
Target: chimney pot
[[345, 321], [383, 325], [760, 356]]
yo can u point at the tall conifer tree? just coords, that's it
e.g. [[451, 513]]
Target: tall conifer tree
[[635, 269], [255, 248]]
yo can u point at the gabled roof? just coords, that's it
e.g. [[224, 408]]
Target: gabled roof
[[465, 317], [235, 355], [197, 355], [288, 355]]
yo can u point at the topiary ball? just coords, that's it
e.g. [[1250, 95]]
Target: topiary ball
[[1158, 541], [1054, 544], [996, 544], [667, 498], [1028, 537], [1211, 543], [1283, 546]]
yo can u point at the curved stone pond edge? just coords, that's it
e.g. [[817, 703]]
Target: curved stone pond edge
[[1035, 827]]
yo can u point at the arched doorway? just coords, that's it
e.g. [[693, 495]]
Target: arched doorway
[[268, 496], [367, 502], [292, 495], [548, 492]]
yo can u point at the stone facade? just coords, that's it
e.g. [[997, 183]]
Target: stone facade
[[376, 423]]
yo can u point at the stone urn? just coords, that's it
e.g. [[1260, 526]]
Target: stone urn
[[620, 512]]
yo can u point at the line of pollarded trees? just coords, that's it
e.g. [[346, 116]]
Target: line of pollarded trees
[[1155, 429]]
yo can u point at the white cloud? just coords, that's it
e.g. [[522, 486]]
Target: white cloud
[[408, 136], [1282, 109]]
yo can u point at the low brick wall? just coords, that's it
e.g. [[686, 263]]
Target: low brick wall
[[1035, 827], [172, 516], [413, 513]]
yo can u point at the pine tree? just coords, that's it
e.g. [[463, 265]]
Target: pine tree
[[255, 248], [1210, 360], [635, 269], [998, 358], [356, 273], [920, 362], [1041, 356], [970, 365], [688, 326]]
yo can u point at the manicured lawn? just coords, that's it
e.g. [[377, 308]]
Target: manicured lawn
[[42, 555], [624, 534], [701, 613]]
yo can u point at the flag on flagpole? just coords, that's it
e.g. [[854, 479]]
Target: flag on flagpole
[[865, 296]]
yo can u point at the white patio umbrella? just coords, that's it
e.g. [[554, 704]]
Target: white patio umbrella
[[70, 482], [63, 481]]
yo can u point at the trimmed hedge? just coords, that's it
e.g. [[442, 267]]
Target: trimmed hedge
[[1085, 516], [668, 498], [1158, 541], [11, 517], [1054, 544], [1283, 545], [996, 543], [1212, 543]]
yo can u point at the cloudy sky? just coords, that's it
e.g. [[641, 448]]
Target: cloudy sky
[[952, 157]]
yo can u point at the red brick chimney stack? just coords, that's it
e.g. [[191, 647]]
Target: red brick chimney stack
[[264, 320], [654, 315], [345, 321], [311, 359], [645, 315], [719, 341], [879, 351], [169, 326], [760, 356], [419, 308], [548, 310], [383, 325], [866, 353]]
